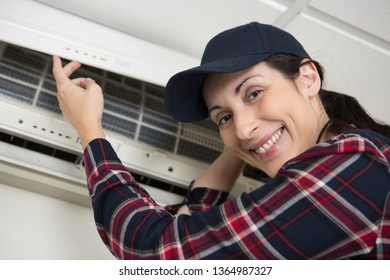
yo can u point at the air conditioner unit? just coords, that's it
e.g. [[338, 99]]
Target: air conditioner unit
[[40, 151]]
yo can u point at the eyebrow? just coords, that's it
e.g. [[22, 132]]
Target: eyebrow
[[238, 88], [236, 91]]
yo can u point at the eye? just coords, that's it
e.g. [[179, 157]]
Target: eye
[[224, 119], [254, 94]]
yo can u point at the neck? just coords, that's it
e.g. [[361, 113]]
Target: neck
[[322, 134]]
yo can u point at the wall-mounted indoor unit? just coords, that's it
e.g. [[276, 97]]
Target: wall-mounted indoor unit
[[40, 151]]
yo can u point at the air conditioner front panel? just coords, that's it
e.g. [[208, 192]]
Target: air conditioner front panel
[[42, 28]]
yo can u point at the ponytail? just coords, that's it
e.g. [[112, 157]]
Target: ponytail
[[343, 110]]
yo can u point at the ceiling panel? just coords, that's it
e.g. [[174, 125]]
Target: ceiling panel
[[369, 15], [352, 65]]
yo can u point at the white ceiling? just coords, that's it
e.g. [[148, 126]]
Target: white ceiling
[[351, 38]]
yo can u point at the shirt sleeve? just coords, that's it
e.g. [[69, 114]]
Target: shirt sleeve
[[318, 206], [200, 199]]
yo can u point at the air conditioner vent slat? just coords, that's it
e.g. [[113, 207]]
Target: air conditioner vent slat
[[43, 149]]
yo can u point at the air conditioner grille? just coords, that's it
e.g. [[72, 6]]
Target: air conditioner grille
[[25, 59], [123, 109], [49, 85], [157, 138], [48, 102], [196, 151], [119, 125], [133, 108], [122, 92], [17, 73], [157, 120], [17, 91], [156, 105]]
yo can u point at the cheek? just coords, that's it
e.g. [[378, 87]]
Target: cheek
[[226, 139], [273, 105], [229, 139]]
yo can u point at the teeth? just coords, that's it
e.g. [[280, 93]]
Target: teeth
[[269, 143]]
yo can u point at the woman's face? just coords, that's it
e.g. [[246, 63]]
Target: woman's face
[[265, 118]]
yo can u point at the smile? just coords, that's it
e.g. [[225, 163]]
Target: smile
[[266, 146]]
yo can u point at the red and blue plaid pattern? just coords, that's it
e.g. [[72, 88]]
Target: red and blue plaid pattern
[[331, 202]]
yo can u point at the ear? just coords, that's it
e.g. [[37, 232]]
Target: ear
[[309, 80]]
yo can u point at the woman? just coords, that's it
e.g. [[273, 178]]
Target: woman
[[329, 196]]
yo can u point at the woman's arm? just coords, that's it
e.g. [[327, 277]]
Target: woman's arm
[[218, 178], [222, 173]]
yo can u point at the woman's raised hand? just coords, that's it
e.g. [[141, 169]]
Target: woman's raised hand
[[81, 101]]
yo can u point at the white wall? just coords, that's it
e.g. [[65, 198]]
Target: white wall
[[34, 226]]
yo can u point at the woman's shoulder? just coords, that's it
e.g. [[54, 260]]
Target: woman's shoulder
[[360, 140], [350, 142], [364, 134]]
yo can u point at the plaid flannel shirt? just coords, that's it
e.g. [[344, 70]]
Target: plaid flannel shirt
[[331, 202]]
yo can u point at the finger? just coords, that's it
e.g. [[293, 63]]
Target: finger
[[89, 83], [71, 67], [58, 73], [81, 82], [84, 83], [91, 86]]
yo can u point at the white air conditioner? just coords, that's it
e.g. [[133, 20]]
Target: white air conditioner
[[41, 152]]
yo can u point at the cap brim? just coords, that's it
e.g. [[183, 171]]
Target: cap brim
[[183, 93]]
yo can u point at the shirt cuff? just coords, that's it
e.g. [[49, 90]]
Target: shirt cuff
[[101, 150]]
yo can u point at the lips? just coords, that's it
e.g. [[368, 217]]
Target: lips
[[268, 144]]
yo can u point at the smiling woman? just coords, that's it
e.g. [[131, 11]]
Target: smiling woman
[[266, 119], [329, 193]]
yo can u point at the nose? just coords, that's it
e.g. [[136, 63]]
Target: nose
[[245, 124]]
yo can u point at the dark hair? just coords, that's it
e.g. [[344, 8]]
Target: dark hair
[[342, 109]]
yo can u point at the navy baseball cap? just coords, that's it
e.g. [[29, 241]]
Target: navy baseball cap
[[230, 51]]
